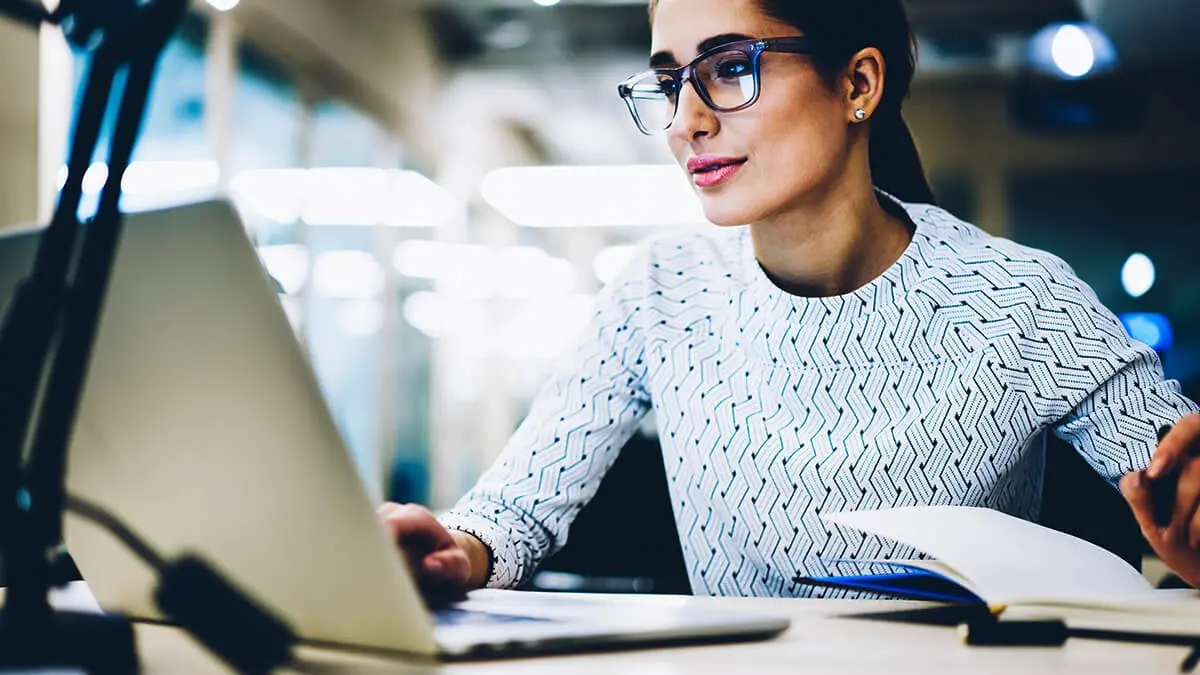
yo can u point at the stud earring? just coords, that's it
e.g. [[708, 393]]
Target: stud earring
[[860, 115]]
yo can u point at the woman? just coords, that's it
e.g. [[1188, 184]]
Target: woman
[[835, 343]]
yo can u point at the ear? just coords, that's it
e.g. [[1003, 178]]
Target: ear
[[864, 83]]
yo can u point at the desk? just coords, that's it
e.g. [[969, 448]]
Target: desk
[[822, 639]]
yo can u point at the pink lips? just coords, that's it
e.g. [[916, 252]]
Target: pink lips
[[712, 170]]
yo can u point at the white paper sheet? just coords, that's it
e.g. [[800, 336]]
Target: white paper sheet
[[1008, 560]]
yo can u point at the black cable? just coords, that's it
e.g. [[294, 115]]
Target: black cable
[[90, 511], [1190, 661], [194, 596]]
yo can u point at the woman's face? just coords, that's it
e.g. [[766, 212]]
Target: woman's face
[[777, 155]]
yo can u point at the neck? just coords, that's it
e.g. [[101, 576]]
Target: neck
[[831, 246]]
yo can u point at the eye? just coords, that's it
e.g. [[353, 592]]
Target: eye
[[732, 67], [667, 87]]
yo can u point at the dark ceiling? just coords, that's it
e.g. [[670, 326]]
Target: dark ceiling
[[520, 31]]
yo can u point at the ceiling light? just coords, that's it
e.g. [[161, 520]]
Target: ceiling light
[[287, 264], [345, 196], [593, 196], [348, 275], [1072, 50], [480, 272], [1138, 275]]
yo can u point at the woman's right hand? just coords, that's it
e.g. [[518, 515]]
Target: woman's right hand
[[439, 561]]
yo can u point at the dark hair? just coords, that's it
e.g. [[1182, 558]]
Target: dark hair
[[849, 26]]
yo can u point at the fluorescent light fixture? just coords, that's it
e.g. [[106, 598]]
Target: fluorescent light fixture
[[416, 201], [348, 275], [345, 196], [145, 178], [156, 178], [273, 194], [150, 184], [479, 272], [287, 264], [95, 178], [1138, 275], [223, 5], [340, 196], [593, 196]]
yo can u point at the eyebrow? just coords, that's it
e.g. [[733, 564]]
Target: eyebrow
[[664, 59]]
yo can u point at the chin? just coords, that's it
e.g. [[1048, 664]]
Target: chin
[[725, 214], [725, 222]]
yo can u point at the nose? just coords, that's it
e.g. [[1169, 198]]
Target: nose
[[693, 119]]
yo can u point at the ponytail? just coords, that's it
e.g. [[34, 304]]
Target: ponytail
[[895, 163]]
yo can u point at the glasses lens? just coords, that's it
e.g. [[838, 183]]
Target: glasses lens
[[729, 78], [653, 98]]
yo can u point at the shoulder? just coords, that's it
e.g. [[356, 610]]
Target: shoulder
[[1033, 291], [961, 250]]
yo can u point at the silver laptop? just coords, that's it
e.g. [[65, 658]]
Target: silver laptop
[[202, 427]]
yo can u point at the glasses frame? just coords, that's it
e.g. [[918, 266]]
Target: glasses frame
[[752, 48]]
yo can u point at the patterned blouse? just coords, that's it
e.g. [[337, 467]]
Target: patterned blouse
[[933, 384]]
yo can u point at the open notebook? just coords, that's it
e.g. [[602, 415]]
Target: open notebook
[[981, 555]]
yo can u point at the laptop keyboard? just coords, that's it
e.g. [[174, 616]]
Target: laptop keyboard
[[463, 617]]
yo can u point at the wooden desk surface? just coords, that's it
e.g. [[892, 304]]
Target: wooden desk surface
[[823, 638]]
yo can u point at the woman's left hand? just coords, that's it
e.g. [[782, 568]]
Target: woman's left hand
[[1177, 461]]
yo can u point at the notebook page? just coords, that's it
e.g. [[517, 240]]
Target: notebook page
[[1008, 560]]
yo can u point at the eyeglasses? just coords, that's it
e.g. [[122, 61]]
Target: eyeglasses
[[726, 78]]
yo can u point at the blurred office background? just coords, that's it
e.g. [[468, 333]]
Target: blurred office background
[[441, 186]]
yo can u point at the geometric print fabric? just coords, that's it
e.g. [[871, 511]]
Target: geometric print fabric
[[933, 384]]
